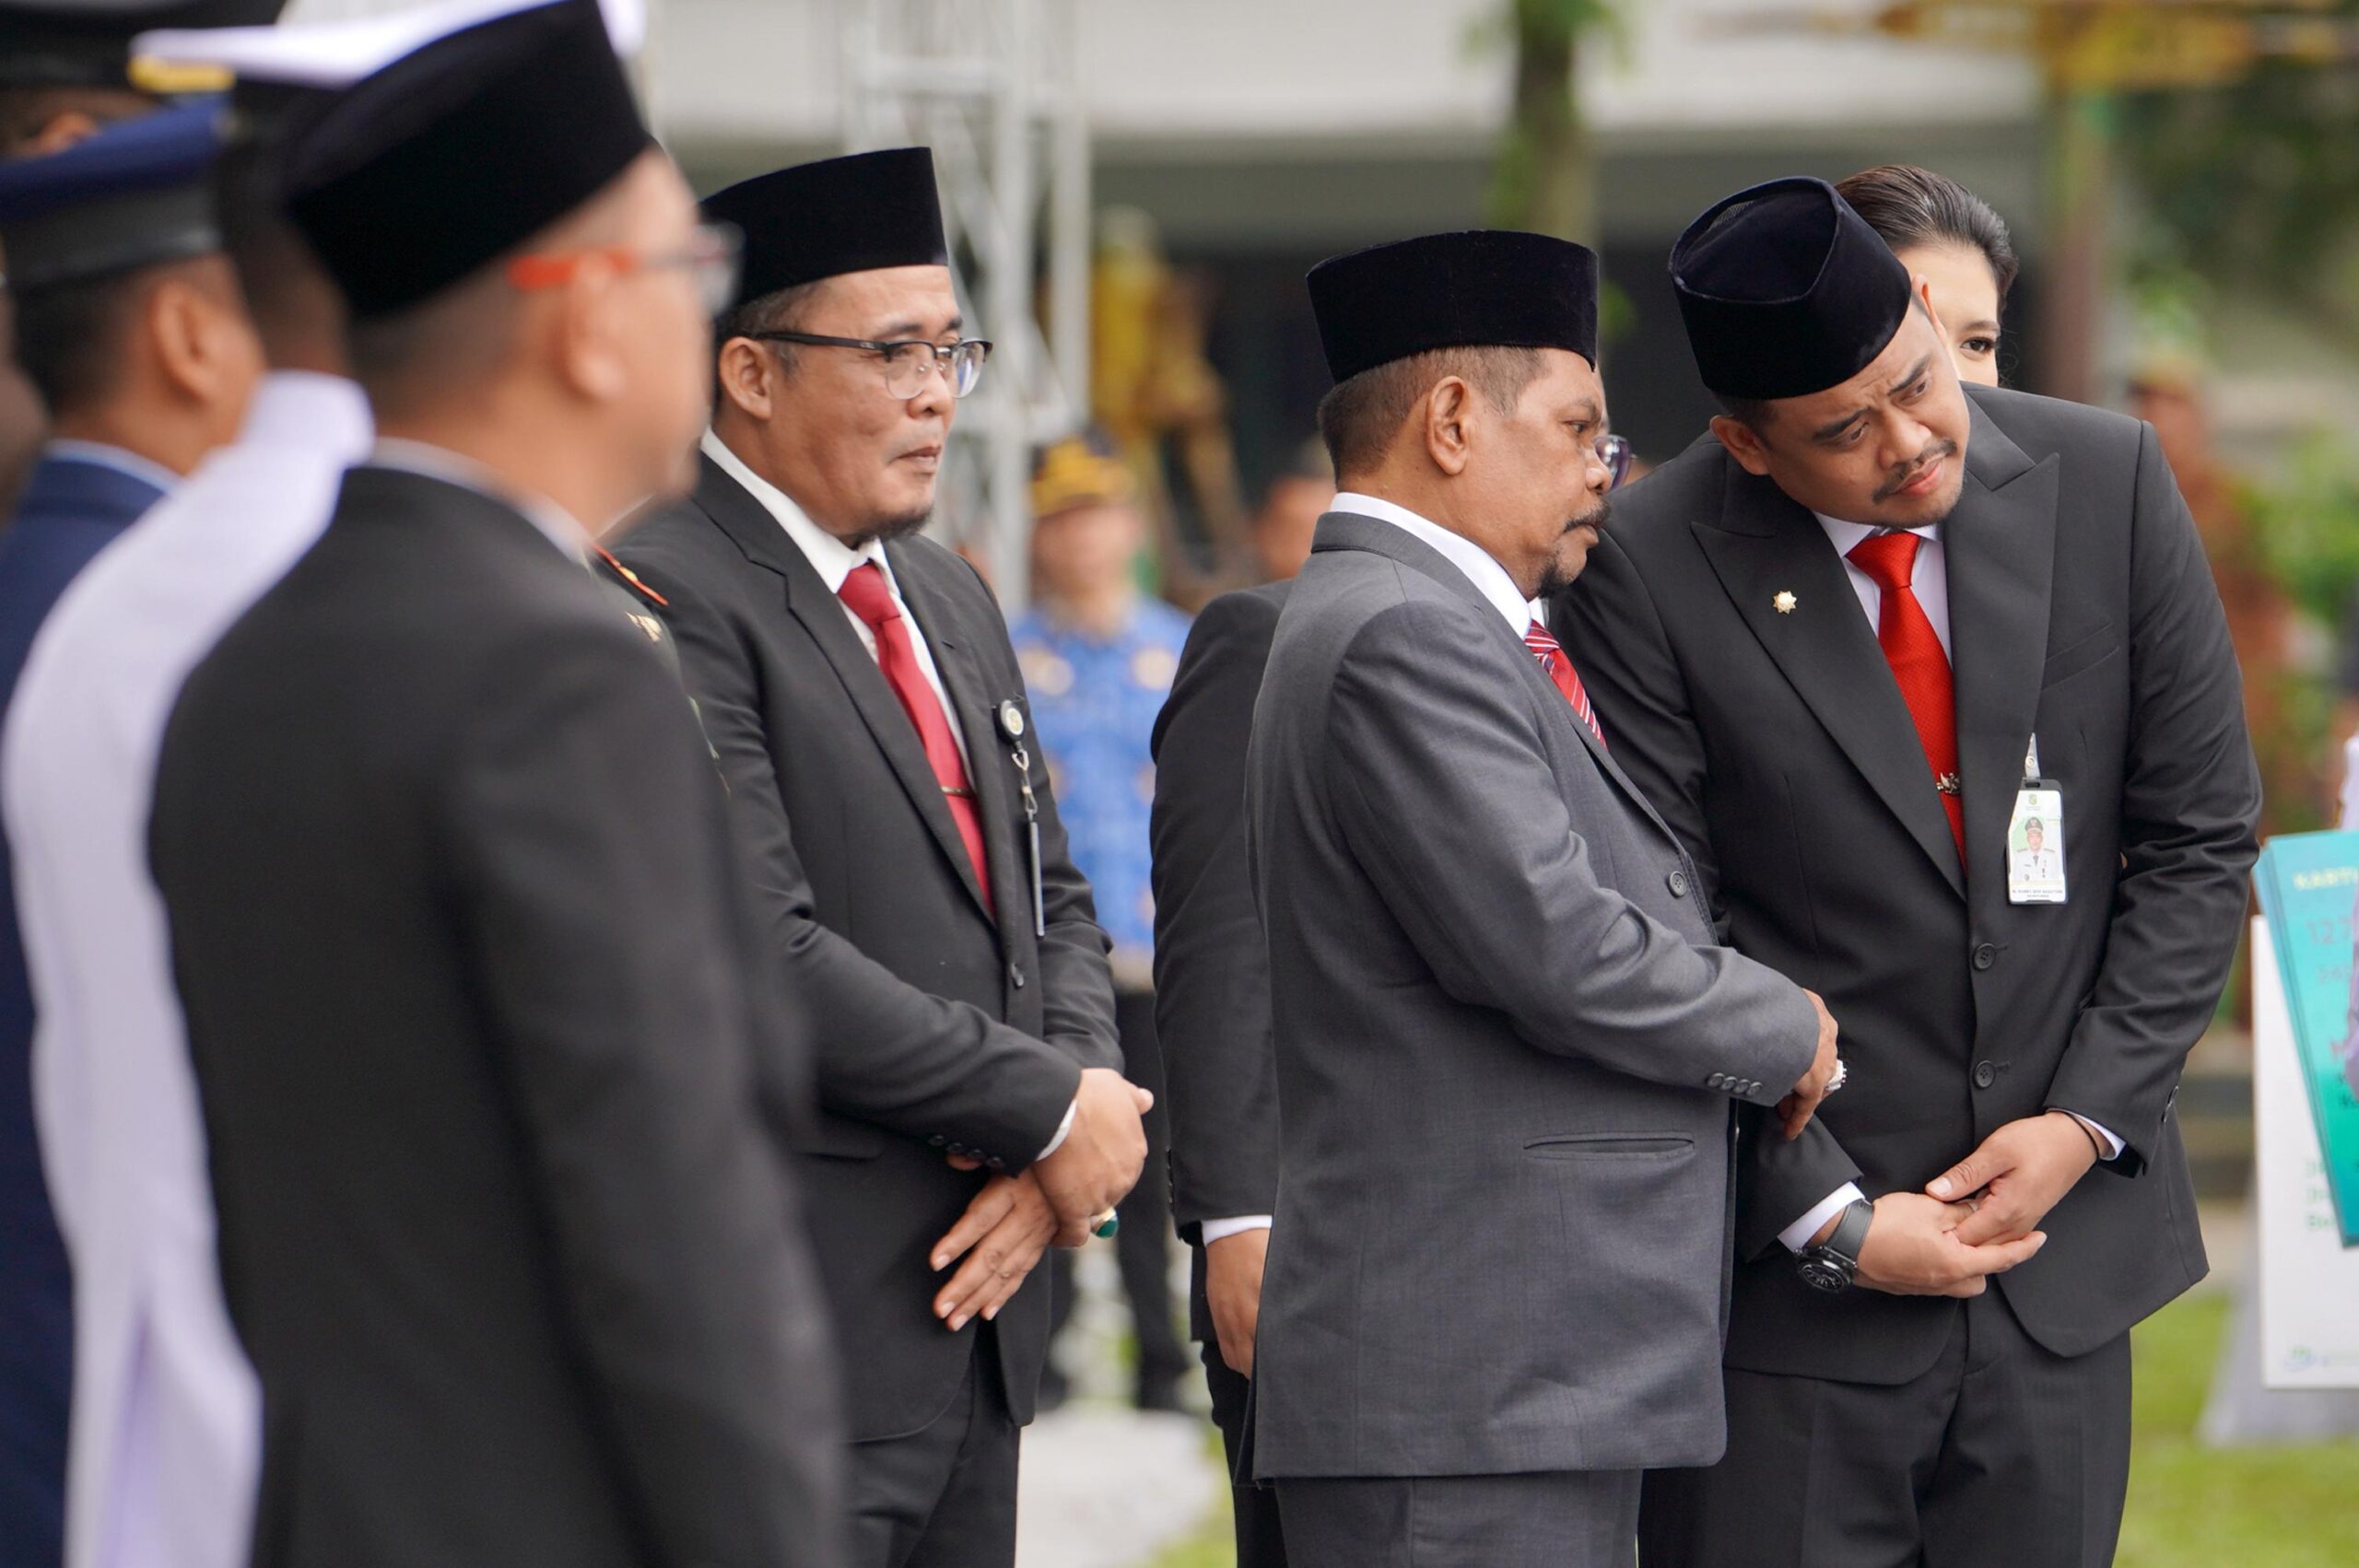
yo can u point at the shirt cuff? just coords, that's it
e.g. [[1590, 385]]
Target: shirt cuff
[[1797, 1235], [2113, 1146], [1218, 1230], [1064, 1131]]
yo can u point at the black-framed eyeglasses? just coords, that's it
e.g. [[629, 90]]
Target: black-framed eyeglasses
[[906, 362], [1615, 452]]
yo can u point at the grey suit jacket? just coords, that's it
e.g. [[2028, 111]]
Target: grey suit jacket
[[1505, 1052]]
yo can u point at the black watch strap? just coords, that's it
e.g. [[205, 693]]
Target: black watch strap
[[1851, 1231], [1831, 1264]]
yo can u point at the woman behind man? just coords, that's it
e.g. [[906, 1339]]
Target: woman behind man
[[1954, 244]]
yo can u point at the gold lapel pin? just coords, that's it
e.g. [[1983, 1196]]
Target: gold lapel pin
[[1785, 603]]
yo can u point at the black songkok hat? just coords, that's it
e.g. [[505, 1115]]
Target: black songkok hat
[[1485, 287], [1786, 291], [87, 43], [839, 215], [450, 156]]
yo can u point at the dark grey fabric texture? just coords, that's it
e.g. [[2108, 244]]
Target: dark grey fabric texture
[[1506, 1053]]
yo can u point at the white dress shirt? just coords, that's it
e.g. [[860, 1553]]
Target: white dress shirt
[[1481, 569], [116, 457], [1929, 583], [166, 1425]]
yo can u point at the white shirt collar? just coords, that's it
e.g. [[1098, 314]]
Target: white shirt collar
[[562, 529], [1481, 567], [311, 411], [108, 456], [1845, 536], [830, 556]]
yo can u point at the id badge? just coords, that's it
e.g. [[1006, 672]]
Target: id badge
[[2036, 838]]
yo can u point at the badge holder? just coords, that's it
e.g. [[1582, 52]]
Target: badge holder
[[2036, 838], [1012, 726]]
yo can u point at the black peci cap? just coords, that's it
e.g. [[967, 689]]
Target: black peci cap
[[839, 215], [87, 43], [1786, 291], [453, 156], [1483, 286]]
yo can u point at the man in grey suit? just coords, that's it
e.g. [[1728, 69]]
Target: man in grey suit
[[1508, 1052]]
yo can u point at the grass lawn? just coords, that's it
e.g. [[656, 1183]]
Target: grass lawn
[[2293, 1507]]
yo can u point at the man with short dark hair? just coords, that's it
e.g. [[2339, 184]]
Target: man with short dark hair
[[1506, 1050], [1880, 609], [488, 1074], [869, 718]]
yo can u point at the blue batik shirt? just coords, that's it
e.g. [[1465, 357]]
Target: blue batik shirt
[[1095, 703]]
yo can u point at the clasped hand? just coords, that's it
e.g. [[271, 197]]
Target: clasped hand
[[1979, 1217]]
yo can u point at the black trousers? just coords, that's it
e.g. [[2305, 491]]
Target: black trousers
[[1143, 1244], [2002, 1454], [944, 1497], [1261, 1543]]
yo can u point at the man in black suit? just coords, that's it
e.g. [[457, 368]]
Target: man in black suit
[[1883, 613], [870, 722], [484, 1057], [1212, 1012]]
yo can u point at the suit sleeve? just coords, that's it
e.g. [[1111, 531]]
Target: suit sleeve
[[1609, 625], [1496, 885], [588, 863], [1211, 968], [888, 1053], [2190, 800]]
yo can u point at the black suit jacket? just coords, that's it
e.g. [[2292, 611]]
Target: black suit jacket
[[931, 1016], [465, 967], [1777, 745], [1212, 968]]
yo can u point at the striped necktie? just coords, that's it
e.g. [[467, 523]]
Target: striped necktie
[[1560, 671]]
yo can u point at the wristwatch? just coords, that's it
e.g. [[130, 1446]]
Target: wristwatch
[[1831, 1264]]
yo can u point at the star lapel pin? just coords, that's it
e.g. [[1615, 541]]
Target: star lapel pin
[[1784, 602]]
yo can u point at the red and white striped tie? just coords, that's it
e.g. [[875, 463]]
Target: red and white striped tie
[[1560, 671]]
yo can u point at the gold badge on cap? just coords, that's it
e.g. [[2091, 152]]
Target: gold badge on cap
[[1785, 603]]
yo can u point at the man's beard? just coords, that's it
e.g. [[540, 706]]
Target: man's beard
[[892, 528]]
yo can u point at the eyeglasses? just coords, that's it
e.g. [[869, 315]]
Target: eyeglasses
[[906, 362], [1615, 451], [709, 257]]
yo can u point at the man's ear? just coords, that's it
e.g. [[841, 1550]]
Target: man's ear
[[1445, 408], [1744, 443], [746, 375], [201, 338]]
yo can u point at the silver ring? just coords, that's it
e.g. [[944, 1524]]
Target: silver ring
[[1842, 1074]]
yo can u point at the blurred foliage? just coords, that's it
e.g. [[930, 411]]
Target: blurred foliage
[[2253, 183], [2305, 518]]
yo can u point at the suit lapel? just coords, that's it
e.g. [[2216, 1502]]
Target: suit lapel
[[822, 615], [1765, 548], [2000, 546], [975, 706], [1349, 530]]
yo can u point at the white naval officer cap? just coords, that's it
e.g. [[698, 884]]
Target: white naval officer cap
[[331, 55]]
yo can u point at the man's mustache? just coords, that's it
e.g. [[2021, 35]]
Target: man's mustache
[[1594, 518], [1906, 475]]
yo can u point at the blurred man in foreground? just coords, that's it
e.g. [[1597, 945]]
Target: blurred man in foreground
[[489, 1073]]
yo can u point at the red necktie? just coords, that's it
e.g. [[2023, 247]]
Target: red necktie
[[867, 595], [1560, 671], [1918, 665]]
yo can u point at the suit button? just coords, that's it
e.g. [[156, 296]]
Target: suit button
[[1985, 955], [938, 1141], [1015, 975], [1984, 1074], [995, 1164], [1678, 881], [1718, 1081]]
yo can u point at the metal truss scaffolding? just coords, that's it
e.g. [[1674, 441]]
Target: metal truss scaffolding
[[992, 87]]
